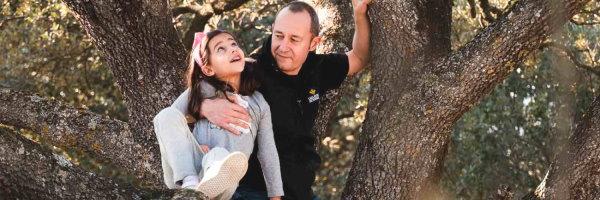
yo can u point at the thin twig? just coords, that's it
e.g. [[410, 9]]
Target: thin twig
[[9, 19]]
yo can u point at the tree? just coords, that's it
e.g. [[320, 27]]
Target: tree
[[413, 104], [416, 100]]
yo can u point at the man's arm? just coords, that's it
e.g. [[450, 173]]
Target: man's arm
[[218, 111], [358, 57]]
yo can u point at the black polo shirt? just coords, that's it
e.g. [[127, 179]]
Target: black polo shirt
[[294, 102]]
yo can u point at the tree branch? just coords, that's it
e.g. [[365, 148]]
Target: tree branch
[[574, 172], [107, 140], [338, 33], [192, 9], [144, 52], [31, 171], [472, 8], [252, 24], [572, 55], [593, 13], [204, 13], [489, 10], [349, 114], [342, 116], [471, 72], [3, 21], [224, 6], [584, 23]]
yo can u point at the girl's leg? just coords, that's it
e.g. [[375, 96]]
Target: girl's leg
[[179, 155], [227, 194], [222, 172]]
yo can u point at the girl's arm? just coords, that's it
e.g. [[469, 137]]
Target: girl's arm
[[181, 103], [267, 151]]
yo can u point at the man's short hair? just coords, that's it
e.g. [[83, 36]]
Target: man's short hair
[[299, 6]]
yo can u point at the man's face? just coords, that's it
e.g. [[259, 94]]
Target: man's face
[[292, 40]]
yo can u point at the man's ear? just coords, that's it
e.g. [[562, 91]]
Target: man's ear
[[207, 70], [314, 43]]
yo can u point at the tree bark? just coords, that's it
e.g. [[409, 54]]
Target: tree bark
[[575, 173], [107, 140], [203, 13], [415, 102], [337, 30], [392, 160], [142, 49], [31, 171]]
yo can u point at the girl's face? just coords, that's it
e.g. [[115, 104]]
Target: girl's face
[[226, 59]]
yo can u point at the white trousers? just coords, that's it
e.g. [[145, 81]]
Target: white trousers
[[180, 152]]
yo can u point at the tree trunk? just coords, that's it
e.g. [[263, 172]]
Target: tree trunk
[[575, 174], [337, 32], [30, 171], [107, 140], [392, 160], [417, 95], [145, 54]]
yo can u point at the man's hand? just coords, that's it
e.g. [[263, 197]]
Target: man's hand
[[275, 198], [360, 7], [222, 112]]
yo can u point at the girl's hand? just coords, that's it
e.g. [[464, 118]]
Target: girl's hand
[[204, 148], [275, 198]]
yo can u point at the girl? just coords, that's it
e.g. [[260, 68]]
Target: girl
[[210, 159]]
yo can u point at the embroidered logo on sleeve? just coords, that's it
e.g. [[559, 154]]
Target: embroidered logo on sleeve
[[314, 95]]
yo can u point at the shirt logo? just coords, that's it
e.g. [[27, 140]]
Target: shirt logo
[[314, 96]]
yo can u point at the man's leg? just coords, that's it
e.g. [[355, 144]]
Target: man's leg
[[179, 156], [247, 193]]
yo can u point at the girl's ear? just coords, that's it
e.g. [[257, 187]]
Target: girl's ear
[[207, 70]]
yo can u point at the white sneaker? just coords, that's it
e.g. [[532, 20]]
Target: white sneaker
[[190, 182], [221, 172]]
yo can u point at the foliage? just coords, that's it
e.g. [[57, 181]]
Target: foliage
[[45, 50], [511, 136]]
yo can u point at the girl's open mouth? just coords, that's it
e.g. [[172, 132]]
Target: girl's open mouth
[[236, 59]]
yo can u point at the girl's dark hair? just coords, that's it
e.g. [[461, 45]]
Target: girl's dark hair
[[194, 76]]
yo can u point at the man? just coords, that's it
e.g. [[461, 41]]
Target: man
[[294, 80]]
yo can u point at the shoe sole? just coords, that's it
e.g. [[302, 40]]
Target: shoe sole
[[231, 172]]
